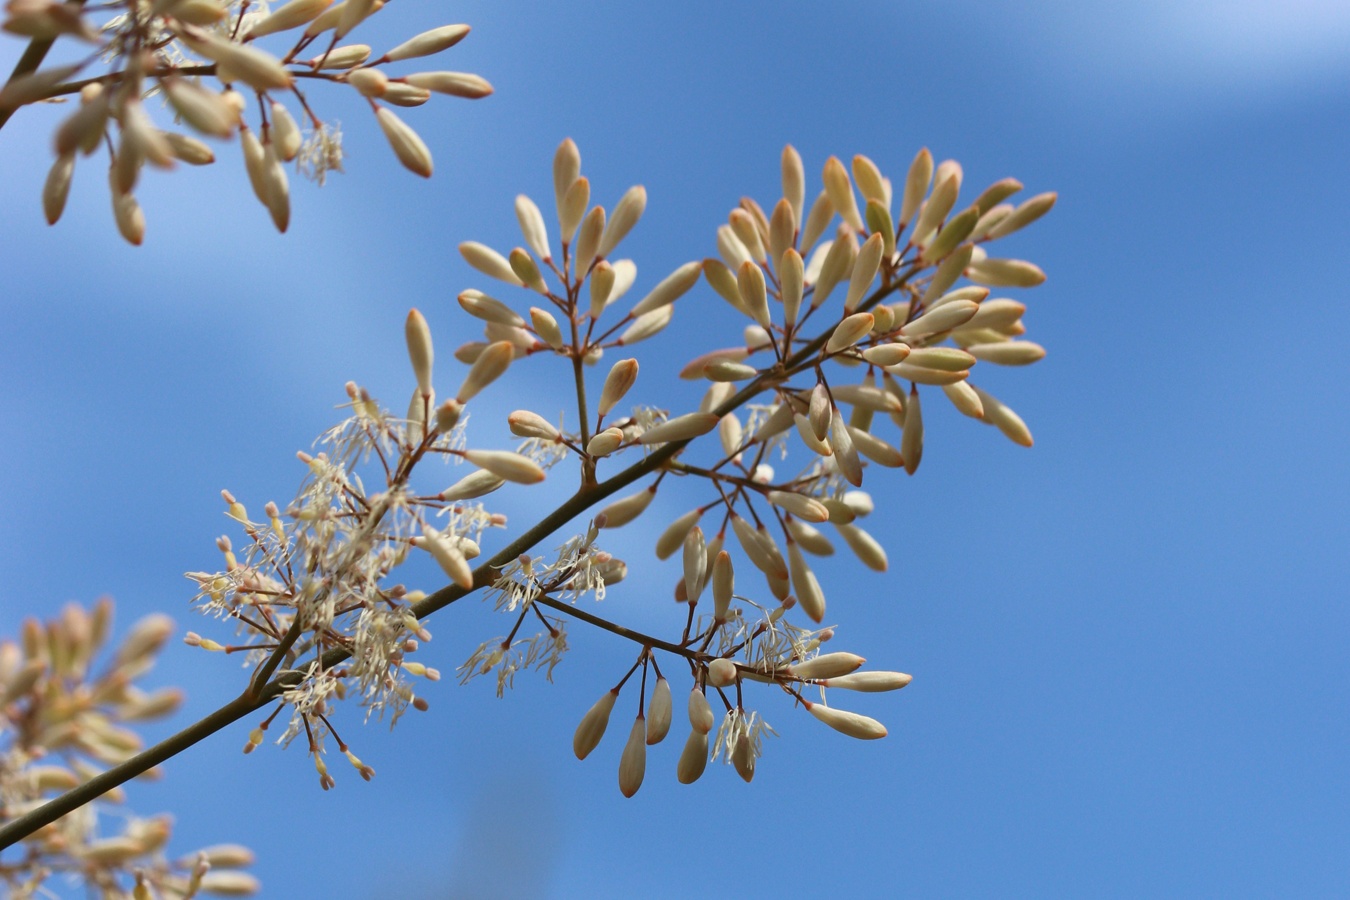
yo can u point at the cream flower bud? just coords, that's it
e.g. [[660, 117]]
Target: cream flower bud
[[957, 229], [420, 353], [447, 554], [428, 43], [911, 441], [782, 232], [626, 214], [673, 537], [916, 184], [694, 756], [633, 760], [625, 510], [346, 57], [869, 179], [566, 171], [864, 272], [724, 370], [848, 723], [447, 415], [572, 208], [827, 665], [1005, 273], [1007, 421], [289, 15], [875, 449], [809, 539], [487, 368], [257, 68], [794, 180], [400, 94], [128, 216], [754, 296], [840, 191], [943, 318], [850, 331], [620, 379], [489, 309], [588, 239], [489, 262], [799, 505], [229, 884], [508, 465], [964, 398], [723, 585], [723, 281], [593, 724], [845, 453], [747, 231], [605, 442], [189, 150], [680, 428], [368, 82], [524, 423], [672, 287], [532, 226], [997, 192], [456, 84], [743, 757], [817, 220], [1008, 353], [659, 712], [472, 486], [546, 327], [809, 595], [870, 682], [695, 560], [791, 278], [767, 561], [527, 270], [351, 13], [838, 263], [57, 187], [1026, 213], [935, 210], [886, 354], [700, 712], [721, 673], [406, 143]]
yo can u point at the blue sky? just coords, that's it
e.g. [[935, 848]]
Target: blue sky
[[1127, 643]]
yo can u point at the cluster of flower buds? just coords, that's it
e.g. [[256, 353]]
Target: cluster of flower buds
[[167, 48], [738, 741], [67, 712]]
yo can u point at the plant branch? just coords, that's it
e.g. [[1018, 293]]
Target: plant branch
[[485, 574]]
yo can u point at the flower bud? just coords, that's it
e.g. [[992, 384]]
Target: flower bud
[[57, 187], [754, 293], [721, 673], [943, 318], [964, 398], [418, 336], [700, 712], [428, 43], [489, 365], [593, 724], [864, 273], [935, 210], [917, 180], [694, 756], [626, 214], [455, 84], [625, 510], [840, 191], [695, 560], [850, 331], [471, 486], [526, 424], [911, 441], [659, 712], [680, 428], [617, 383], [257, 68], [845, 454], [870, 682], [633, 760], [848, 723], [447, 554], [1007, 421], [368, 82], [827, 665], [723, 585], [875, 449], [605, 442], [288, 16], [407, 145], [672, 287], [546, 327], [1005, 273], [809, 595], [508, 465], [809, 539], [799, 505]]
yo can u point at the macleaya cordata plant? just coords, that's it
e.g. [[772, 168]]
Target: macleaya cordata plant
[[864, 300]]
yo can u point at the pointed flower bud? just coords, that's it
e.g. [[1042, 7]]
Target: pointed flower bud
[[508, 465], [625, 510], [673, 287], [447, 554], [526, 424], [620, 379], [754, 295], [695, 562], [455, 84], [487, 368], [605, 442], [827, 665], [626, 214], [848, 723], [809, 595], [593, 724], [840, 190], [659, 712], [723, 585], [943, 318], [694, 756], [406, 143], [418, 336], [633, 760], [864, 272], [870, 682], [673, 537], [680, 428], [799, 505], [474, 485], [700, 712], [850, 331], [428, 43]]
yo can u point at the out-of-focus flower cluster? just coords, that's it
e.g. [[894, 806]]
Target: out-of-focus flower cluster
[[68, 711], [167, 54]]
